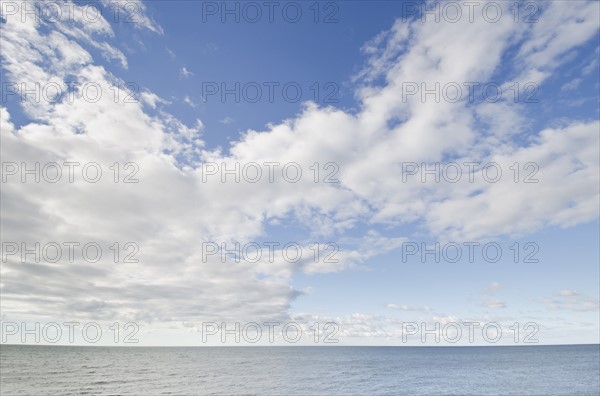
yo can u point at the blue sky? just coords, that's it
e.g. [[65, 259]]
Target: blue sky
[[305, 52], [364, 61]]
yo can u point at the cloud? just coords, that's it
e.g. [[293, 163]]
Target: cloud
[[573, 84], [493, 287], [492, 303], [171, 53], [210, 47], [138, 14], [593, 64], [151, 99], [559, 30], [567, 293], [226, 120], [570, 300], [187, 100], [407, 308], [172, 209], [185, 73]]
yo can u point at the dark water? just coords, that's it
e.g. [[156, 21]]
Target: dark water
[[523, 370]]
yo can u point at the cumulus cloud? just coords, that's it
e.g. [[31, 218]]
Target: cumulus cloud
[[173, 208]]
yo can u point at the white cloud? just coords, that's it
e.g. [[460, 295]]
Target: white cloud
[[573, 84], [138, 14], [570, 300], [171, 53], [560, 28], [593, 64], [493, 303], [185, 73], [407, 308], [187, 100], [171, 211], [493, 287], [151, 99], [567, 293]]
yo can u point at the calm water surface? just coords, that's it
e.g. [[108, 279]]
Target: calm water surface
[[523, 370]]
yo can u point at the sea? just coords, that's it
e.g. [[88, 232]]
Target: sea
[[312, 370]]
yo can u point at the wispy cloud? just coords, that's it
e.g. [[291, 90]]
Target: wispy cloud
[[187, 100], [407, 308], [493, 287], [570, 300], [185, 73], [493, 303]]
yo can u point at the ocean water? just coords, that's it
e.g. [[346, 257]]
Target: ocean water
[[517, 370]]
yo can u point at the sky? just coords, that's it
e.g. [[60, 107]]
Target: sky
[[389, 137]]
